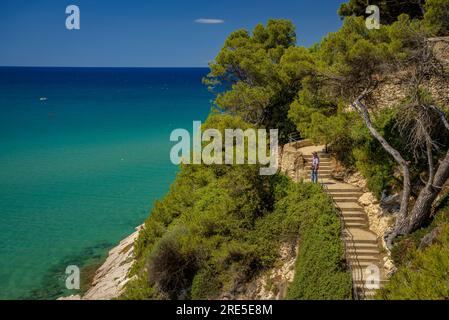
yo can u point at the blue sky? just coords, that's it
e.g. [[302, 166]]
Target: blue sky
[[144, 33]]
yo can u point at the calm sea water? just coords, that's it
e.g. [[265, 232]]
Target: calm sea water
[[81, 169]]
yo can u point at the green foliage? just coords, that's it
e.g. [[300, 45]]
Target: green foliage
[[436, 18], [173, 262], [277, 33], [372, 161], [389, 10], [320, 272], [215, 220], [206, 284], [344, 63], [256, 75], [422, 270], [220, 226], [138, 289], [425, 274]]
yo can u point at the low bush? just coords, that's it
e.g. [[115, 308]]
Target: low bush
[[173, 264]]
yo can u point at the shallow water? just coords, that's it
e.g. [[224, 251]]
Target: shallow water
[[81, 168]]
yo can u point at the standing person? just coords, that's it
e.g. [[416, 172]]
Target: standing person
[[315, 167]]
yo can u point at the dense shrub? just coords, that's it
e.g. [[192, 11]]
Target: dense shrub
[[215, 219], [423, 262], [436, 17], [320, 272], [206, 284], [173, 263], [221, 226], [425, 273]]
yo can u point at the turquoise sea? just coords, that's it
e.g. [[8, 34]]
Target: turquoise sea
[[84, 153]]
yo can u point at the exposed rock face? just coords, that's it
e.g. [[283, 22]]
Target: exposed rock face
[[380, 222], [273, 285], [429, 239], [441, 48], [111, 277], [356, 179], [340, 173], [73, 297], [392, 91], [291, 160]]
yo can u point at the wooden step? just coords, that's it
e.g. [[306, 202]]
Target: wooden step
[[361, 283], [323, 161], [348, 195], [322, 156], [322, 172]]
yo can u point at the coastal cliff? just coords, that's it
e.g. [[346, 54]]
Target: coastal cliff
[[112, 276]]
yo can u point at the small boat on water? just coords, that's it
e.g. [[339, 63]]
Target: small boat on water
[[43, 99]]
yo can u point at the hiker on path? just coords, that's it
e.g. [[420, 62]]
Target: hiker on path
[[315, 167]]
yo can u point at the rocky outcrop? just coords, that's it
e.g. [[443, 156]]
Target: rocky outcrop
[[273, 284], [380, 222], [291, 160], [430, 238], [111, 277], [392, 91], [355, 179]]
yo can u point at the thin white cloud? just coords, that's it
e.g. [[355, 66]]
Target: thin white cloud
[[209, 21]]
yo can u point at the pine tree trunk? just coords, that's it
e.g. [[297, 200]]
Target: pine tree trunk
[[398, 158], [401, 221], [423, 205]]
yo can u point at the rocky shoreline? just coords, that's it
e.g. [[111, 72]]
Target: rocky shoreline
[[110, 279]]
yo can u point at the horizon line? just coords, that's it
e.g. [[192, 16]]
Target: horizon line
[[103, 67]]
